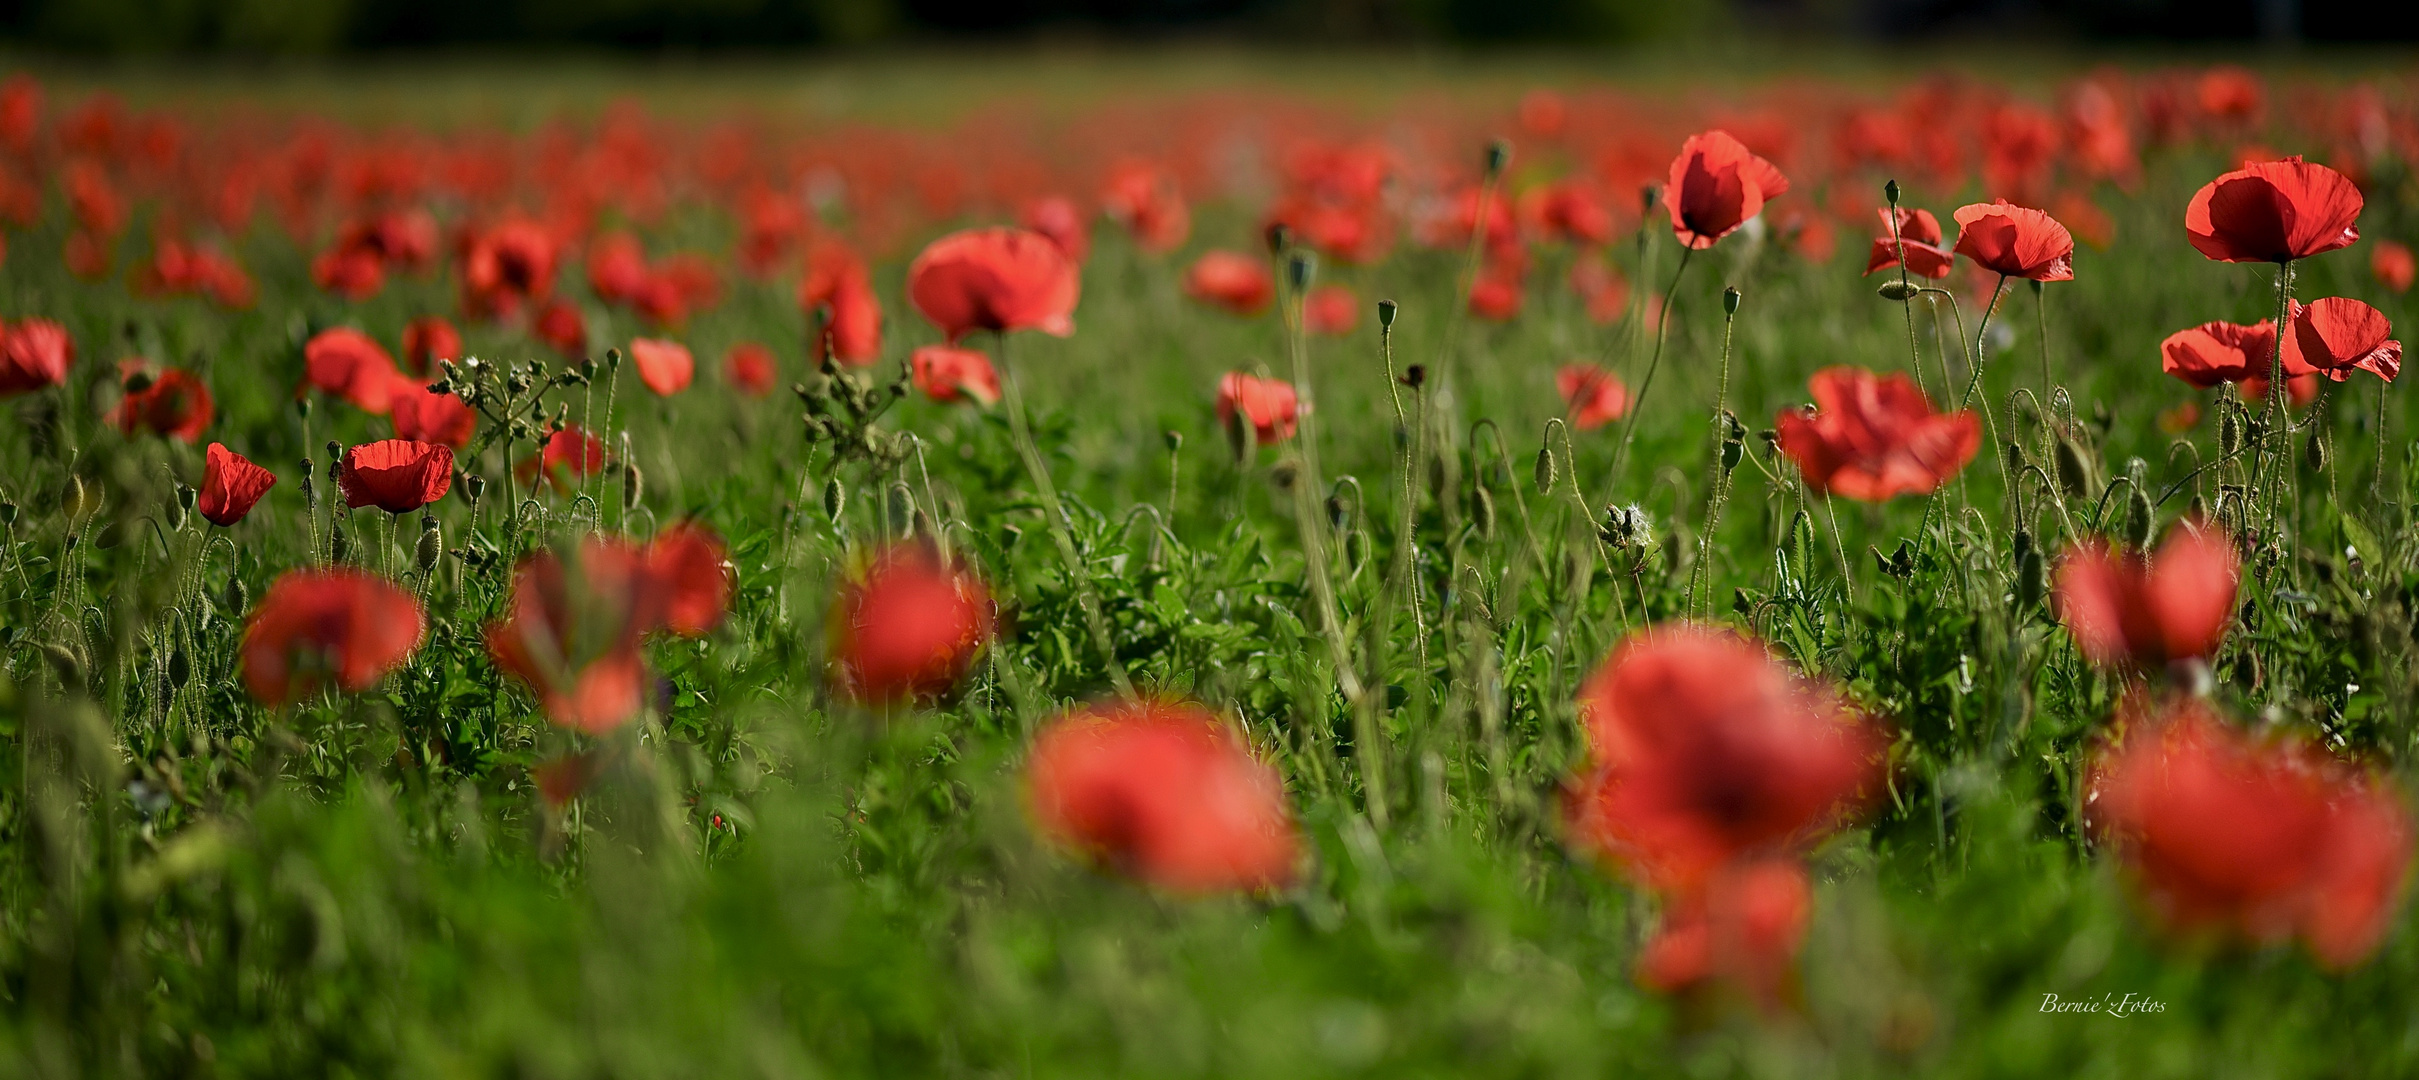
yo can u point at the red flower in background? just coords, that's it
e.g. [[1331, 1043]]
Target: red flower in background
[[354, 275], [2300, 390], [34, 353], [427, 340], [568, 456], [1601, 287], [2125, 610], [617, 268], [424, 416], [1496, 296], [1873, 437], [562, 328], [1595, 397], [995, 279], [2393, 265], [1919, 233], [1269, 405], [665, 366], [907, 627], [1058, 218], [336, 626], [1143, 198], [1570, 210], [2214, 353], [838, 285], [1163, 792], [1717, 184], [351, 365], [945, 373], [396, 475], [2017, 241], [506, 267], [1743, 926], [1331, 309], [173, 403], [750, 366], [2260, 840], [2274, 211], [1231, 280], [231, 486], [2337, 336], [689, 579]]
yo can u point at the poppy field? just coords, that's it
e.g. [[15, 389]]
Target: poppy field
[[1453, 573]]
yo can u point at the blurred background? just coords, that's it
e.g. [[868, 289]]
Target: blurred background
[[326, 27]]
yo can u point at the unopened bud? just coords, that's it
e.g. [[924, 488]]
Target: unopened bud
[[2315, 451], [1898, 291], [1546, 469], [432, 544], [900, 506], [634, 485], [302, 407], [1298, 270], [310, 492], [835, 499], [1279, 237], [1175, 441], [2229, 432], [1499, 155], [2032, 580], [1284, 474], [1734, 441], [2074, 474], [476, 485], [613, 360], [1889, 190], [1730, 300], [1385, 313], [2138, 519]]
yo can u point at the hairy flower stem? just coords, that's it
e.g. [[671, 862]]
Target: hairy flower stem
[[2275, 406], [1717, 480], [1061, 530], [2041, 334], [1654, 360], [1914, 349]]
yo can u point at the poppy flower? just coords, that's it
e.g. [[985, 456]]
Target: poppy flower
[[690, 579], [173, 403], [1744, 926], [1919, 233], [572, 632], [336, 626], [420, 415], [231, 486], [1716, 184], [1874, 437], [665, 366], [945, 373], [1331, 309], [2338, 335], [2260, 840], [1495, 296], [2016, 241], [1058, 218], [348, 272], [2274, 211], [1706, 750], [507, 267], [1163, 792], [1594, 396], [996, 279], [567, 456], [2300, 390], [750, 367], [396, 475], [352, 365], [1269, 404], [2393, 265], [34, 353], [617, 268], [1601, 288], [1570, 211], [838, 284], [2215, 353], [428, 339], [906, 627], [562, 328], [1143, 198], [2128, 611], [1231, 280]]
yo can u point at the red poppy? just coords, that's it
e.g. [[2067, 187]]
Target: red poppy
[[231, 486], [1919, 233], [1332, 310], [350, 273], [1570, 210], [1144, 199], [2339, 335], [1166, 793], [665, 366], [1601, 287], [617, 268], [337, 626], [1269, 404], [2393, 265], [1717, 184], [1706, 750], [1058, 218], [1743, 926], [2219, 352], [422, 416], [428, 339], [1594, 396], [907, 627], [945, 373], [750, 367], [2274, 211], [1496, 296], [2017, 241], [572, 633], [567, 456], [2300, 390], [396, 475], [2125, 610], [352, 365], [173, 403], [2184, 417], [1873, 437], [690, 580], [838, 284], [2261, 840], [562, 328], [506, 267], [1237, 282], [994, 279]]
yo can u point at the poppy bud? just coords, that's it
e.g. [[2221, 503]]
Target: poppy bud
[[2023, 541], [1482, 510], [613, 360], [835, 499], [900, 507], [1545, 470], [74, 500], [2315, 452], [1298, 271], [2229, 433], [1499, 155], [2031, 580], [1415, 376], [2015, 457], [476, 485], [111, 535], [176, 517], [1730, 300], [1284, 473], [1175, 441], [1385, 313], [8, 513], [1646, 199], [339, 545], [1279, 238], [1889, 190], [1356, 548], [310, 493], [921, 524], [432, 544], [1336, 516], [302, 408], [634, 486], [2074, 474], [587, 367], [1898, 291], [180, 669], [2138, 519]]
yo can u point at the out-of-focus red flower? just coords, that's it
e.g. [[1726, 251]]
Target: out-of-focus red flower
[[396, 475], [2274, 211], [1162, 791], [1706, 751], [1543, 114], [506, 267], [336, 626], [907, 626], [1231, 280], [422, 416], [2394, 266], [1143, 198], [231, 486], [2017, 241], [2219, 352], [2128, 611], [351, 365], [562, 328], [2300, 390], [1454, 220], [1717, 184], [617, 268], [2338, 335], [945, 373], [2184, 417], [2229, 93], [1058, 218], [689, 579], [87, 255], [428, 339], [750, 367], [838, 284], [1873, 437], [1809, 235], [665, 366], [2084, 218], [173, 403], [1354, 232], [1269, 405], [561, 779], [34, 353], [1919, 232], [1743, 926], [572, 633], [1496, 296], [176, 267], [1594, 396], [1570, 210], [349, 272], [996, 279], [569, 456], [2250, 838], [1331, 309], [93, 200], [20, 112], [1601, 288]]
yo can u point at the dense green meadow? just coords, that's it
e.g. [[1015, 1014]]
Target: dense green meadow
[[765, 878]]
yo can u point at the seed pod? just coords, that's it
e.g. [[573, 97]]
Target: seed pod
[[613, 360], [2074, 473], [1544, 474], [1482, 511], [1889, 190], [2138, 518], [476, 485], [1298, 270], [1898, 291], [185, 495], [1415, 376], [1734, 441], [1385, 313], [1499, 155], [1730, 300], [835, 499], [432, 543], [2032, 581], [2315, 451], [634, 485]]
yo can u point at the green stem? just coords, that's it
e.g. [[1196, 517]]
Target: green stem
[[1061, 530]]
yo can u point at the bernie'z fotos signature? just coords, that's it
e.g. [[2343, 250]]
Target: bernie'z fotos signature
[[2111, 1005]]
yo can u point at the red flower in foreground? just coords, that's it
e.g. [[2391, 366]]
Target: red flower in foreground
[[1706, 751], [1594, 396], [1919, 233], [422, 416], [1331, 309], [396, 475], [2125, 610], [1166, 793], [1231, 280], [351, 365], [335, 626], [1744, 926], [2215, 353], [946, 373], [2339, 335], [689, 578], [34, 353], [572, 633], [1873, 437], [1716, 185], [173, 403], [665, 366], [2274, 211], [2017, 241], [838, 285], [2394, 265], [231, 485], [427, 340], [2261, 840], [750, 367], [1268, 404], [994, 279], [907, 627]]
